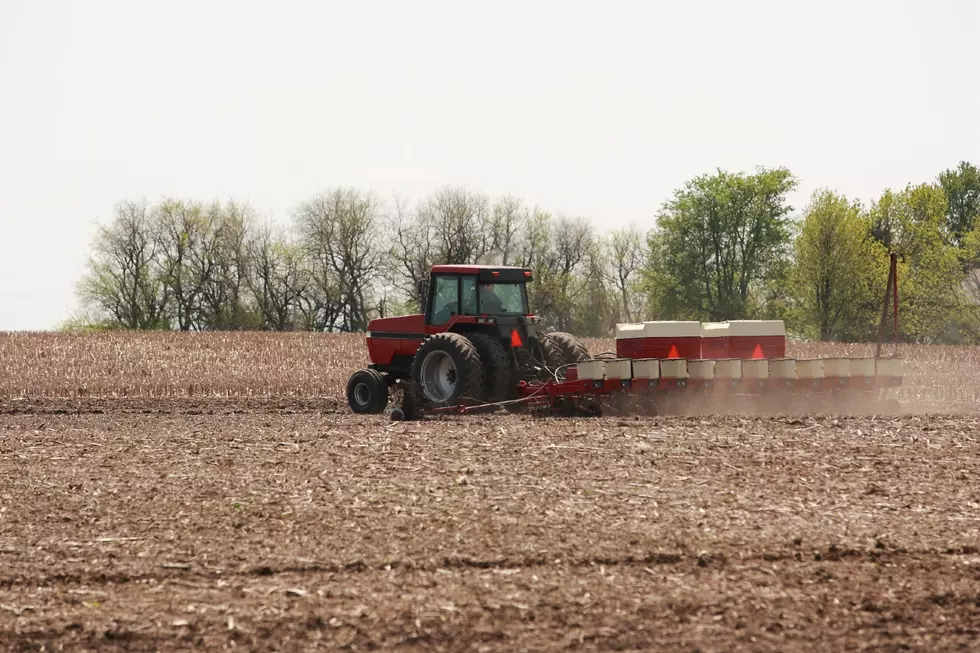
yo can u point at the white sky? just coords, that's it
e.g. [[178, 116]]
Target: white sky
[[599, 111]]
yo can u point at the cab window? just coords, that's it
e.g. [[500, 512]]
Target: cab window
[[468, 298], [445, 300], [503, 298]]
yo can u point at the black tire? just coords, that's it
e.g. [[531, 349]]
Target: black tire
[[367, 392], [591, 408], [561, 349], [563, 407], [499, 382], [463, 378]]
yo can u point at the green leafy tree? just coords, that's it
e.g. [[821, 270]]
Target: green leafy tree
[[884, 220], [663, 298], [836, 268], [969, 325], [716, 240], [912, 224], [961, 186]]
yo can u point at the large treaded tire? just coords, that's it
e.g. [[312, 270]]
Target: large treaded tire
[[467, 373], [562, 349], [499, 382], [367, 392]]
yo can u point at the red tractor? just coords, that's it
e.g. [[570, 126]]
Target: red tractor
[[474, 341]]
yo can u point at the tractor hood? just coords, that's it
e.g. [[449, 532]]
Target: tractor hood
[[405, 326]]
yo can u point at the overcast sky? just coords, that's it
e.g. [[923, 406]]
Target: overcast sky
[[598, 110]]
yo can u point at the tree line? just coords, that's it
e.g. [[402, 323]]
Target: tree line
[[724, 246]]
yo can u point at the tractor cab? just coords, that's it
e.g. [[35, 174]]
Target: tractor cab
[[454, 293]]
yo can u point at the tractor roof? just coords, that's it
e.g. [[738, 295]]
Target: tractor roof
[[487, 273], [472, 269]]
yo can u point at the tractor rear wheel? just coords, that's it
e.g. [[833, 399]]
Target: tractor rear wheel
[[367, 392], [561, 349], [447, 369], [499, 383]]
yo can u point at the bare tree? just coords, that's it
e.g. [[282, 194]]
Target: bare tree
[[224, 299], [413, 248], [122, 282], [319, 305], [573, 237], [188, 236], [628, 255], [592, 307], [278, 277], [507, 220], [556, 249], [534, 244], [194, 266], [459, 220], [176, 227], [340, 233]]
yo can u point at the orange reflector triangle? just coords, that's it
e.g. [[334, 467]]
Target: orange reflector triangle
[[757, 352], [515, 339], [673, 352]]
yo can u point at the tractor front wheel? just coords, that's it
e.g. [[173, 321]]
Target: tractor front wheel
[[367, 392], [447, 370]]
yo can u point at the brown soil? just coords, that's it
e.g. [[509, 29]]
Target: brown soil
[[170, 524]]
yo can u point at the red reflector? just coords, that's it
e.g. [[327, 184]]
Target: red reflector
[[495, 274], [527, 273], [673, 352], [757, 352], [515, 339]]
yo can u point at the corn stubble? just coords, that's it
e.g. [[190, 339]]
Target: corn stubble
[[304, 365], [159, 364]]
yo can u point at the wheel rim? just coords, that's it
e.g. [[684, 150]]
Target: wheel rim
[[438, 376], [362, 394]]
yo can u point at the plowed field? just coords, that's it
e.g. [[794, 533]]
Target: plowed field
[[278, 521]]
